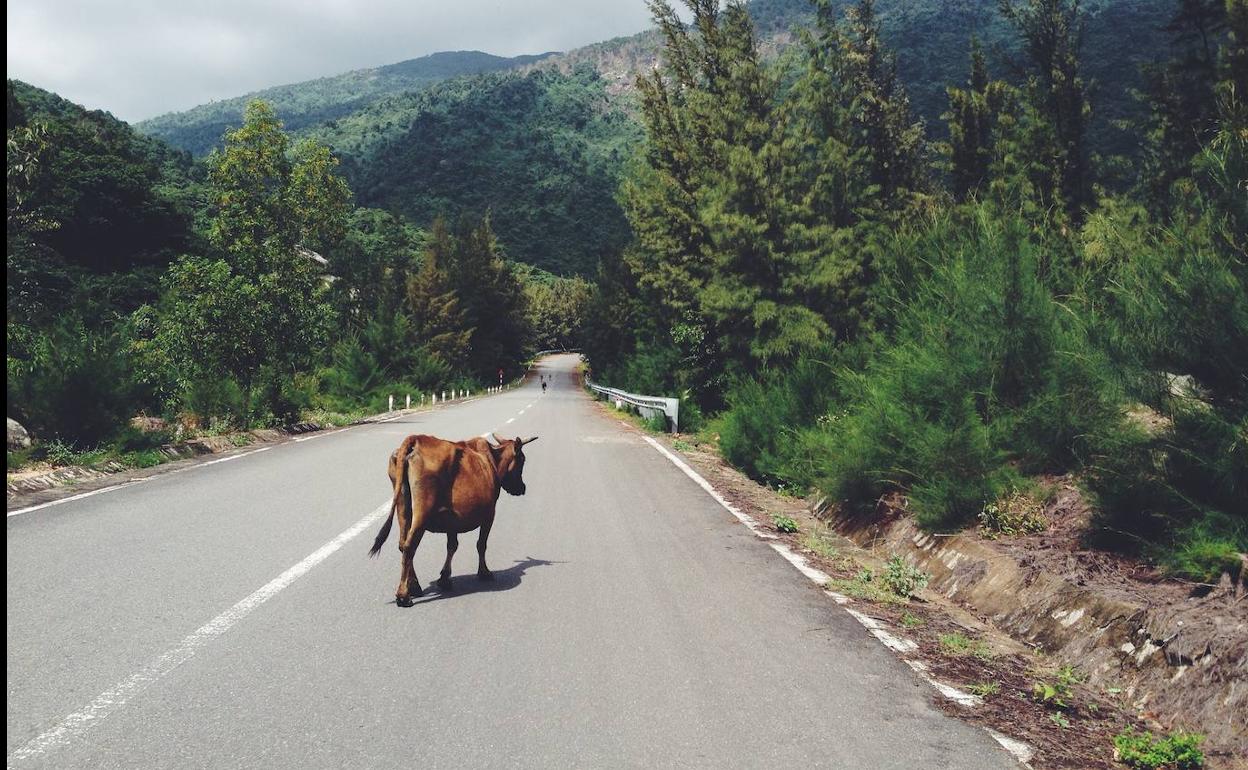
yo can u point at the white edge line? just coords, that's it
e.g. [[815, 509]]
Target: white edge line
[[132, 482], [710, 490], [109, 701], [79, 496], [1019, 750], [510, 420], [878, 630]]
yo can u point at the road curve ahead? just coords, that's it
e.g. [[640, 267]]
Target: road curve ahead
[[228, 616]]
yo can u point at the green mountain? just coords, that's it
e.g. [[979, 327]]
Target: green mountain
[[543, 145], [113, 200], [199, 129], [931, 40], [542, 153]]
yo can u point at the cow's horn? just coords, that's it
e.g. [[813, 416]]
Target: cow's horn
[[495, 439], [528, 440]]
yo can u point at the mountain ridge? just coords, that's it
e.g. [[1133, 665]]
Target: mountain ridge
[[310, 102]]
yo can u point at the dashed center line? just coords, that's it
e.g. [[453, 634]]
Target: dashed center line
[[77, 723]]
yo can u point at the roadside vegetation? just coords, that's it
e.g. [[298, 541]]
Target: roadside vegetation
[[198, 293], [864, 311]]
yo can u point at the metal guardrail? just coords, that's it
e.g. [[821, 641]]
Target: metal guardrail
[[648, 406]]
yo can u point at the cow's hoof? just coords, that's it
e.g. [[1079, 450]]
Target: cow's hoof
[[403, 601], [444, 583], [485, 575]]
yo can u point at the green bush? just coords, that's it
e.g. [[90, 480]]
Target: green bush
[[784, 523], [655, 422], [903, 579], [72, 383], [131, 439], [1180, 751], [985, 374]]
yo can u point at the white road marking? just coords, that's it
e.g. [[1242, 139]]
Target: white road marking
[[77, 723], [878, 630], [818, 577], [1021, 751], [510, 420], [710, 490], [71, 498], [234, 457], [322, 434]]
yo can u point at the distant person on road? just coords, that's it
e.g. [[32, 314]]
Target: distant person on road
[[543, 385]]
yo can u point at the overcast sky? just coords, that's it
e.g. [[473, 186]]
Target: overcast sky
[[140, 58]]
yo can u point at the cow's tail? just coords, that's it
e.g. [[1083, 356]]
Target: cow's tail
[[400, 482]]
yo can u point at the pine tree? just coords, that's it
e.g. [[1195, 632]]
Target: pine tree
[[1182, 96], [973, 116], [492, 300], [438, 321], [1053, 136], [893, 138]]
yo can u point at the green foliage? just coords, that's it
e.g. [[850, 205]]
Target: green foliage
[[302, 105], [556, 309], [960, 644], [1143, 751], [903, 579], [540, 153], [262, 304], [131, 439], [984, 689], [1057, 692], [1016, 513], [783, 523], [910, 621], [656, 423], [69, 382]]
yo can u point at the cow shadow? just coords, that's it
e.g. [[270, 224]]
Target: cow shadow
[[464, 585]]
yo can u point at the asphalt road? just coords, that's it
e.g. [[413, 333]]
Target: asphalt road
[[228, 616]]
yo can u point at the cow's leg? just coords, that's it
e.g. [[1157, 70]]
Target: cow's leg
[[452, 545], [422, 496], [409, 586], [483, 572]]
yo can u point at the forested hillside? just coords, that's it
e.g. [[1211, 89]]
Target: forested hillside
[[543, 152], [143, 283], [538, 150], [200, 129], [932, 40]]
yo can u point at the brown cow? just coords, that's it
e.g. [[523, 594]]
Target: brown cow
[[451, 487]]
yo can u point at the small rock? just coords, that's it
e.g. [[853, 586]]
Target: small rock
[[19, 438]]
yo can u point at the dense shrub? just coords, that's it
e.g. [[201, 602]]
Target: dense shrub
[[71, 383]]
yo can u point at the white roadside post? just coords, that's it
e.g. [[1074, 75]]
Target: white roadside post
[[409, 401], [444, 395], [390, 404]]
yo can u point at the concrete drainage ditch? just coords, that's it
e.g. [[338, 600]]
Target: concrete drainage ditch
[[1184, 664]]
